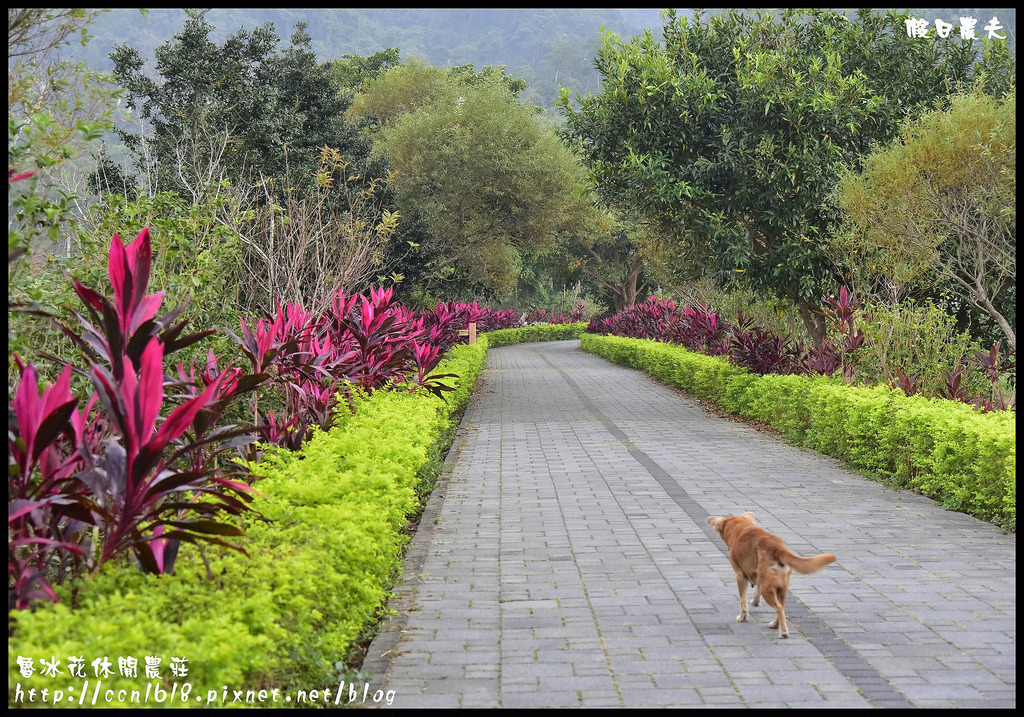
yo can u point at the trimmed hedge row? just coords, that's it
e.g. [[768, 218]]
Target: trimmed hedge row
[[943, 449], [530, 334], [316, 576]]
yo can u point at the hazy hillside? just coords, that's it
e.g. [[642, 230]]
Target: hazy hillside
[[546, 47]]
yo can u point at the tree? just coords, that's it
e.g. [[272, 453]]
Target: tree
[[944, 198], [266, 129], [55, 108], [214, 110], [243, 108], [481, 169], [317, 241], [614, 257], [732, 134], [352, 70]]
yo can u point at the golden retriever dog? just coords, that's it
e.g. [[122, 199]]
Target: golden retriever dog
[[764, 561]]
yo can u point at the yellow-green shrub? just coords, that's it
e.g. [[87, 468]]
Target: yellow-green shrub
[[320, 562], [528, 334], [943, 449]]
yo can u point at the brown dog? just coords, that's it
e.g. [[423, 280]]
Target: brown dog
[[764, 561]]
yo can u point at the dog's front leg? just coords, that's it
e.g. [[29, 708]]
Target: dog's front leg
[[741, 584]]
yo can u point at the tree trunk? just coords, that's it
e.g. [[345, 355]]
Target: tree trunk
[[624, 293], [814, 322]]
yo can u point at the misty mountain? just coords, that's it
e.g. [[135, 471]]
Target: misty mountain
[[546, 47]]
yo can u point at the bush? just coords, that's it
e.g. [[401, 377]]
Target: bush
[[922, 340], [941, 448], [195, 263], [316, 576], [912, 348], [526, 334]]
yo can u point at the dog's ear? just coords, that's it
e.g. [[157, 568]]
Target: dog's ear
[[716, 522], [748, 516]]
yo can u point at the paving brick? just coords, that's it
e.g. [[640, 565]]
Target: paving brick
[[563, 561]]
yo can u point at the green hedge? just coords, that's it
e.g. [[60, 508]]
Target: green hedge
[[316, 576], [943, 449], [529, 334]]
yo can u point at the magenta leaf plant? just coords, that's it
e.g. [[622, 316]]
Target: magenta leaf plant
[[141, 471], [910, 385], [994, 365], [46, 511]]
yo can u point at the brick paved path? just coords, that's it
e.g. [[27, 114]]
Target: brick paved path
[[565, 562]]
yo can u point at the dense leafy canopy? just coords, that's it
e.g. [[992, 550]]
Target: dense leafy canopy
[[233, 109], [490, 179], [732, 133], [941, 202]]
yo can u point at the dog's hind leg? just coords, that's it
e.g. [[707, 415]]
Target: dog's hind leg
[[777, 599], [741, 584]]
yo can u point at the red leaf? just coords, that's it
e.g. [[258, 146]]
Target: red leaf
[[140, 252], [120, 280], [146, 310], [181, 417], [150, 396]]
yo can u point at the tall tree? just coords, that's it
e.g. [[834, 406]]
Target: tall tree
[[490, 179], [308, 203], [213, 111], [236, 108], [733, 132], [944, 199], [615, 257]]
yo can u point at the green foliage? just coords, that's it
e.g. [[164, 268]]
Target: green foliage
[[320, 561], [548, 47], [197, 262], [938, 207], [779, 316], [233, 109], [733, 133], [259, 134], [943, 449], [614, 256], [55, 106], [529, 334], [353, 70], [916, 339], [490, 180]]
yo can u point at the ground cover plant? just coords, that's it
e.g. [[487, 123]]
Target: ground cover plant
[[146, 459], [103, 490], [861, 346], [324, 542], [952, 451], [134, 471]]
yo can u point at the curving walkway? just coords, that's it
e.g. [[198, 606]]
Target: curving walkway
[[565, 562]]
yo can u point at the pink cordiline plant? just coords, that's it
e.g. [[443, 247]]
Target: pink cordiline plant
[[137, 471]]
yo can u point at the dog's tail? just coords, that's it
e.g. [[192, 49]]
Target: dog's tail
[[806, 566]]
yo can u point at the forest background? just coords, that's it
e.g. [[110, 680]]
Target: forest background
[[441, 208]]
